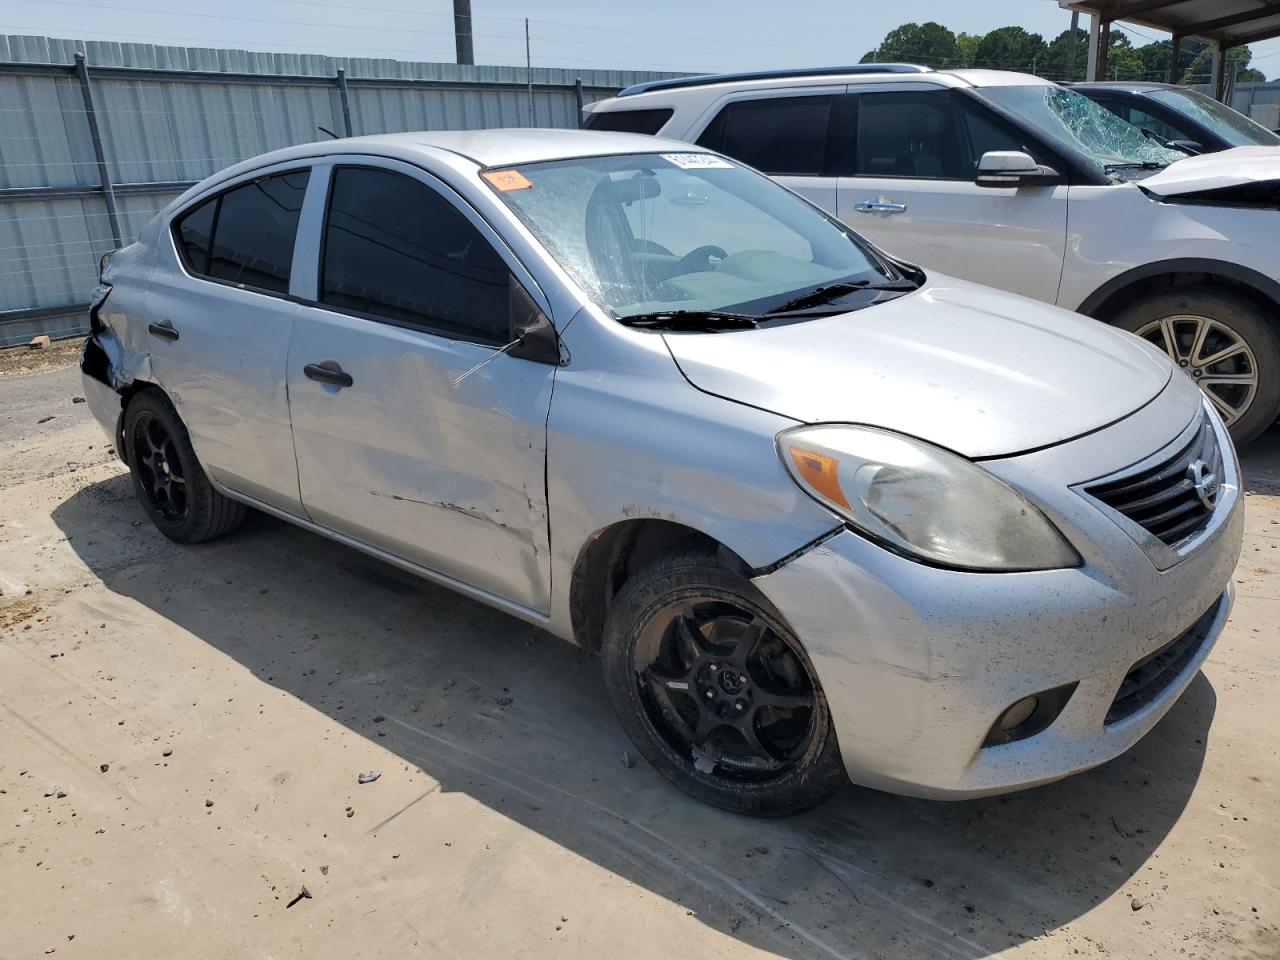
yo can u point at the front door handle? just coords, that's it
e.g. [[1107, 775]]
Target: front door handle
[[164, 330], [880, 206], [327, 371]]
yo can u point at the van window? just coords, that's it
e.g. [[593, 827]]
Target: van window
[[396, 249], [780, 136], [245, 236], [628, 121]]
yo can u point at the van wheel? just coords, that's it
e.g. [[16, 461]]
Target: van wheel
[[1222, 341], [716, 691], [168, 478]]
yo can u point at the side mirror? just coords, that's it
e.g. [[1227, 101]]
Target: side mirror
[[534, 337], [1010, 168]]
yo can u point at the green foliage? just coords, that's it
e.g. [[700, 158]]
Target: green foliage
[[930, 44], [1013, 48], [1010, 48]]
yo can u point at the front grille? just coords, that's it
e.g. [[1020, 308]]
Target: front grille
[[1162, 499], [1151, 676]]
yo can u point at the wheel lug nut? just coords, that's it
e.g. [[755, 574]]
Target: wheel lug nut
[[739, 706], [715, 667], [710, 694]]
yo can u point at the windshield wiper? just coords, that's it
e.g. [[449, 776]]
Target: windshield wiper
[[1134, 165], [704, 320], [830, 291]]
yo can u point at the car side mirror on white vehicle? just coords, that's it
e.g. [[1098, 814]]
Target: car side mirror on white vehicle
[[1011, 168]]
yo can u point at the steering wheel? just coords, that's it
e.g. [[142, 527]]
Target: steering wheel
[[699, 258]]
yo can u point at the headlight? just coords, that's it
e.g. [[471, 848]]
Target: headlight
[[921, 500]]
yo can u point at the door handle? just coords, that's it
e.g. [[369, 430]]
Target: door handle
[[327, 372], [164, 330], [879, 206]]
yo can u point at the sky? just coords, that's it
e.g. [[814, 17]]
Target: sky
[[680, 35]]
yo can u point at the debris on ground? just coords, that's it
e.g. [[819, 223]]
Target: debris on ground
[[628, 761], [369, 777], [303, 894], [38, 343]]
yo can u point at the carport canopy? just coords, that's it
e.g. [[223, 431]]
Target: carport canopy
[[1223, 23]]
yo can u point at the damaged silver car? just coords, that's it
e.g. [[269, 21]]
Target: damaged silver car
[[823, 515]]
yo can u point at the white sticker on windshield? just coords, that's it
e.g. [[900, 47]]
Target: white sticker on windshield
[[697, 161]]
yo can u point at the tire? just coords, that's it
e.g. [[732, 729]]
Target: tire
[[161, 458], [1232, 320], [728, 611]]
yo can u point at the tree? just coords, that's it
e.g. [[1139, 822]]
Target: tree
[[1010, 48], [1057, 65], [930, 44], [967, 48]]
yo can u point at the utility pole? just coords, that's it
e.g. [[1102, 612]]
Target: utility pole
[[462, 31], [1071, 45], [528, 68]]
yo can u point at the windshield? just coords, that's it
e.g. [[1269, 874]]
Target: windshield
[[1077, 124], [1232, 126], [685, 232]]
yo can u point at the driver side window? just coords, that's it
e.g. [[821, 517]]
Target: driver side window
[[925, 136]]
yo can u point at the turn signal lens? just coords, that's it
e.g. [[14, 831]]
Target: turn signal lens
[[820, 472]]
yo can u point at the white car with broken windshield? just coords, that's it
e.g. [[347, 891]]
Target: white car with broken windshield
[[824, 515], [1009, 180]]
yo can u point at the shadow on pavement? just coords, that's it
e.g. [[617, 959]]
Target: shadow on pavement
[[512, 717]]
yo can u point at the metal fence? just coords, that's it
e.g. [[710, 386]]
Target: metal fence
[[96, 137]]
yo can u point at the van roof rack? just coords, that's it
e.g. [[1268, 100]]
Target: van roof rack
[[702, 80]]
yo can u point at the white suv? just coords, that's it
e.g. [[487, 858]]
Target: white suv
[[1009, 180]]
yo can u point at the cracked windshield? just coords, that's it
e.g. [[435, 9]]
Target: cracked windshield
[[1079, 125], [659, 233]]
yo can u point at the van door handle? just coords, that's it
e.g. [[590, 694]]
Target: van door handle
[[327, 371], [879, 206], [164, 330]]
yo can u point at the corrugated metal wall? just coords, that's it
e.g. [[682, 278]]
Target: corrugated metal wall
[[203, 110]]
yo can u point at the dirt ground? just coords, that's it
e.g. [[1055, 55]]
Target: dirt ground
[[181, 730]]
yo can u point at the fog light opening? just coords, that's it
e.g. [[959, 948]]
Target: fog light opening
[[1029, 716], [1018, 714]]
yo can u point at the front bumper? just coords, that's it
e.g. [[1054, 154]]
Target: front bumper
[[918, 662]]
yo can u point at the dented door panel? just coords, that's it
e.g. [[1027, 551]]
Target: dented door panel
[[449, 477]]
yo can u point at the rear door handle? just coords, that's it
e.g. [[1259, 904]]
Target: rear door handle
[[879, 206], [327, 371], [164, 330]]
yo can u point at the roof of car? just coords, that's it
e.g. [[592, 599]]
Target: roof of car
[[517, 144], [712, 85], [1135, 86]]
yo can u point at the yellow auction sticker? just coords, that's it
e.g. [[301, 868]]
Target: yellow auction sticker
[[506, 180]]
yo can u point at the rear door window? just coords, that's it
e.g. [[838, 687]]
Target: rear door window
[[395, 249], [628, 121], [780, 136], [245, 236]]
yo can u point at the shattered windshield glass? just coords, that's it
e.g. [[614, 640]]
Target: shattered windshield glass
[[1079, 125], [1233, 127]]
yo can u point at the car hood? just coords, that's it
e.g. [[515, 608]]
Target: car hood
[[1236, 167], [975, 370]]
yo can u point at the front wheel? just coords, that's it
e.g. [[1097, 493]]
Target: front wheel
[[715, 690], [1225, 343], [168, 478]]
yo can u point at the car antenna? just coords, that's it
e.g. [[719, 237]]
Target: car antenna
[[328, 131], [490, 358]]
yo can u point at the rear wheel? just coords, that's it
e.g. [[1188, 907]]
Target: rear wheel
[[1225, 343], [167, 477], [715, 690]]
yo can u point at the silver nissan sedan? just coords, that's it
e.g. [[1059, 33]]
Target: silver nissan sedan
[[824, 514]]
